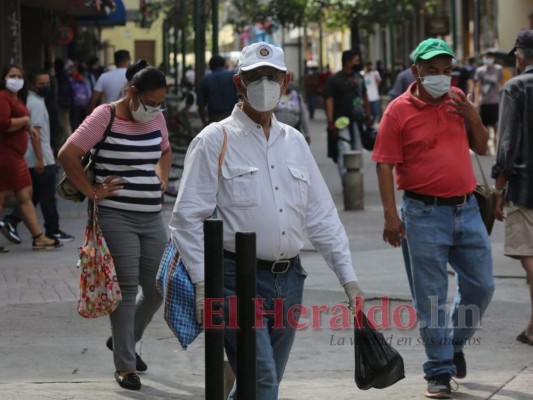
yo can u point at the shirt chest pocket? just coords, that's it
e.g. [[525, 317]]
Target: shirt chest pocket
[[300, 184], [240, 187]]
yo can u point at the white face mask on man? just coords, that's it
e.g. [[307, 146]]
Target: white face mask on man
[[263, 95], [436, 85]]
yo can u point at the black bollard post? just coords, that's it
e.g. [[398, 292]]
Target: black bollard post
[[213, 310], [246, 291]]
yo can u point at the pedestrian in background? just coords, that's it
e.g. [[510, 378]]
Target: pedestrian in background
[[488, 81], [403, 80], [372, 82], [346, 97], [269, 184], [131, 173], [426, 135], [65, 95], [312, 86], [110, 84], [216, 92], [41, 164], [15, 176], [513, 170], [291, 109]]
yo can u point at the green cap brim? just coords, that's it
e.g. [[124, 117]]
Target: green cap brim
[[435, 53]]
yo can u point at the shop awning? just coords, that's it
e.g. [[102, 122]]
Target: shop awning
[[116, 17]]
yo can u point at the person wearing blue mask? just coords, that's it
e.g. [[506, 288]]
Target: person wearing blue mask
[[41, 163], [425, 137]]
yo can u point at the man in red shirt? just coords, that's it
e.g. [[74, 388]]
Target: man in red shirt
[[425, 135]]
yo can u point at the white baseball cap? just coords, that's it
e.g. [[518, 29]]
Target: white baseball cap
[[262, 54]]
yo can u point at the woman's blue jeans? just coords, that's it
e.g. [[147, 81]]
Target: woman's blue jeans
[[436, 236], [273, 344]]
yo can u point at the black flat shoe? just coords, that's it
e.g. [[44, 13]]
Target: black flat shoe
[[140, 364], [129, 381], [524, 339]]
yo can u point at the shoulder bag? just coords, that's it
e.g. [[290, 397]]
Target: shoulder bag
[[486, 200], [65, 187]]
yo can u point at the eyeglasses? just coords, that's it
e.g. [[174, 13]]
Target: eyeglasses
[[256, 75], [152, 109]]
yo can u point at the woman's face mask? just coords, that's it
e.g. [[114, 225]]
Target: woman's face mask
[[145, 113], [14, 84], [263, 95]]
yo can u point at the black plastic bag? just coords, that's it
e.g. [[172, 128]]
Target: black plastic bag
[[377, 364], [368, 137]]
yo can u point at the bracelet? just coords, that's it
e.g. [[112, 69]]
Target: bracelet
[[498, 192], [95, 194]]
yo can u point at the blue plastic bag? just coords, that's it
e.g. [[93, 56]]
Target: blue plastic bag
[[174, 284]]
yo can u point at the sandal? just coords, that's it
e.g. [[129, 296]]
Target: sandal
[[3, 250], [45, 246], [522, 338]]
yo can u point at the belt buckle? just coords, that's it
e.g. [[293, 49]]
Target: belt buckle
[[280, 267], [464, 200]]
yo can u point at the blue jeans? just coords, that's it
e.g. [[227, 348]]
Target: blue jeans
[[273, 345], [435, 236]]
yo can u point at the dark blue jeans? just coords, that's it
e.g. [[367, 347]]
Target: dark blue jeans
[[273, 344], [44, 194]]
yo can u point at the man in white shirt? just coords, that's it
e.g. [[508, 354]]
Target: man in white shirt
[[110, 84], [269, 184], [372, 81]]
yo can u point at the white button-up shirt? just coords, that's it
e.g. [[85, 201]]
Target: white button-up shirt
[[271, 187]]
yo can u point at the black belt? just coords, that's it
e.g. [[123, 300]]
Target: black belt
[[276, 267], [439, 201]]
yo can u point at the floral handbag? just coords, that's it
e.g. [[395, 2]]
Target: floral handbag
[[99, 293]]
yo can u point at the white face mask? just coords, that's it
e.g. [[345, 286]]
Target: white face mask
[[142, 115], [436, 85], [263, 95], [14, 84]]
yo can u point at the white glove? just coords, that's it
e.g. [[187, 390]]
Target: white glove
[[353, 291], [199, 291]]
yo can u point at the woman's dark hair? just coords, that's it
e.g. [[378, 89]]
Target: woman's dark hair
[[145, 77], [22, 93]]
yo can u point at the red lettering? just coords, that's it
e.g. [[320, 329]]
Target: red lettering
[[232, 323], [384, 309], [397, 316], [341, 321], [217, 310], [260, 312], [295, 312], [317, 316]]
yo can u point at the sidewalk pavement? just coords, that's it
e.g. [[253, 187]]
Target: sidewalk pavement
[[47, 351]]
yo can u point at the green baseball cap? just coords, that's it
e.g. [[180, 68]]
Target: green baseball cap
[[430, 48]]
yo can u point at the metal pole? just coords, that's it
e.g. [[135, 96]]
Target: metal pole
[[476, 27], [214, 19], [246, 291], [214, 289], [454, 26]]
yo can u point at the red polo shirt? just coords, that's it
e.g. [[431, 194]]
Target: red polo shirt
[[428, 145]]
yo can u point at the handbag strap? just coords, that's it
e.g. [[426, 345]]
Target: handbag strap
[[222, 151], [481, 170], [106, 132]]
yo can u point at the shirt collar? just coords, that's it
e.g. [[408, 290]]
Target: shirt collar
[[419, 104], [245, 124]]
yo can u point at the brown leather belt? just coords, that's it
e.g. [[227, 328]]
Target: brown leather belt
[[276, 267], [439, 201]]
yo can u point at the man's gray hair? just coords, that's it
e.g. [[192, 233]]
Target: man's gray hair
[[527, 54]]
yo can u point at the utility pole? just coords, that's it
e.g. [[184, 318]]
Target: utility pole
[[214, 22]]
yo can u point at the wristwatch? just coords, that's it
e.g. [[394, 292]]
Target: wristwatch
[[498, 192]]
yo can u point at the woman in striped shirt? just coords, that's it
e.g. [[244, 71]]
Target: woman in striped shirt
[[131, 172]]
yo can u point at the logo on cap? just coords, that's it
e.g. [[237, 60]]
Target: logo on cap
[[264, 52]]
